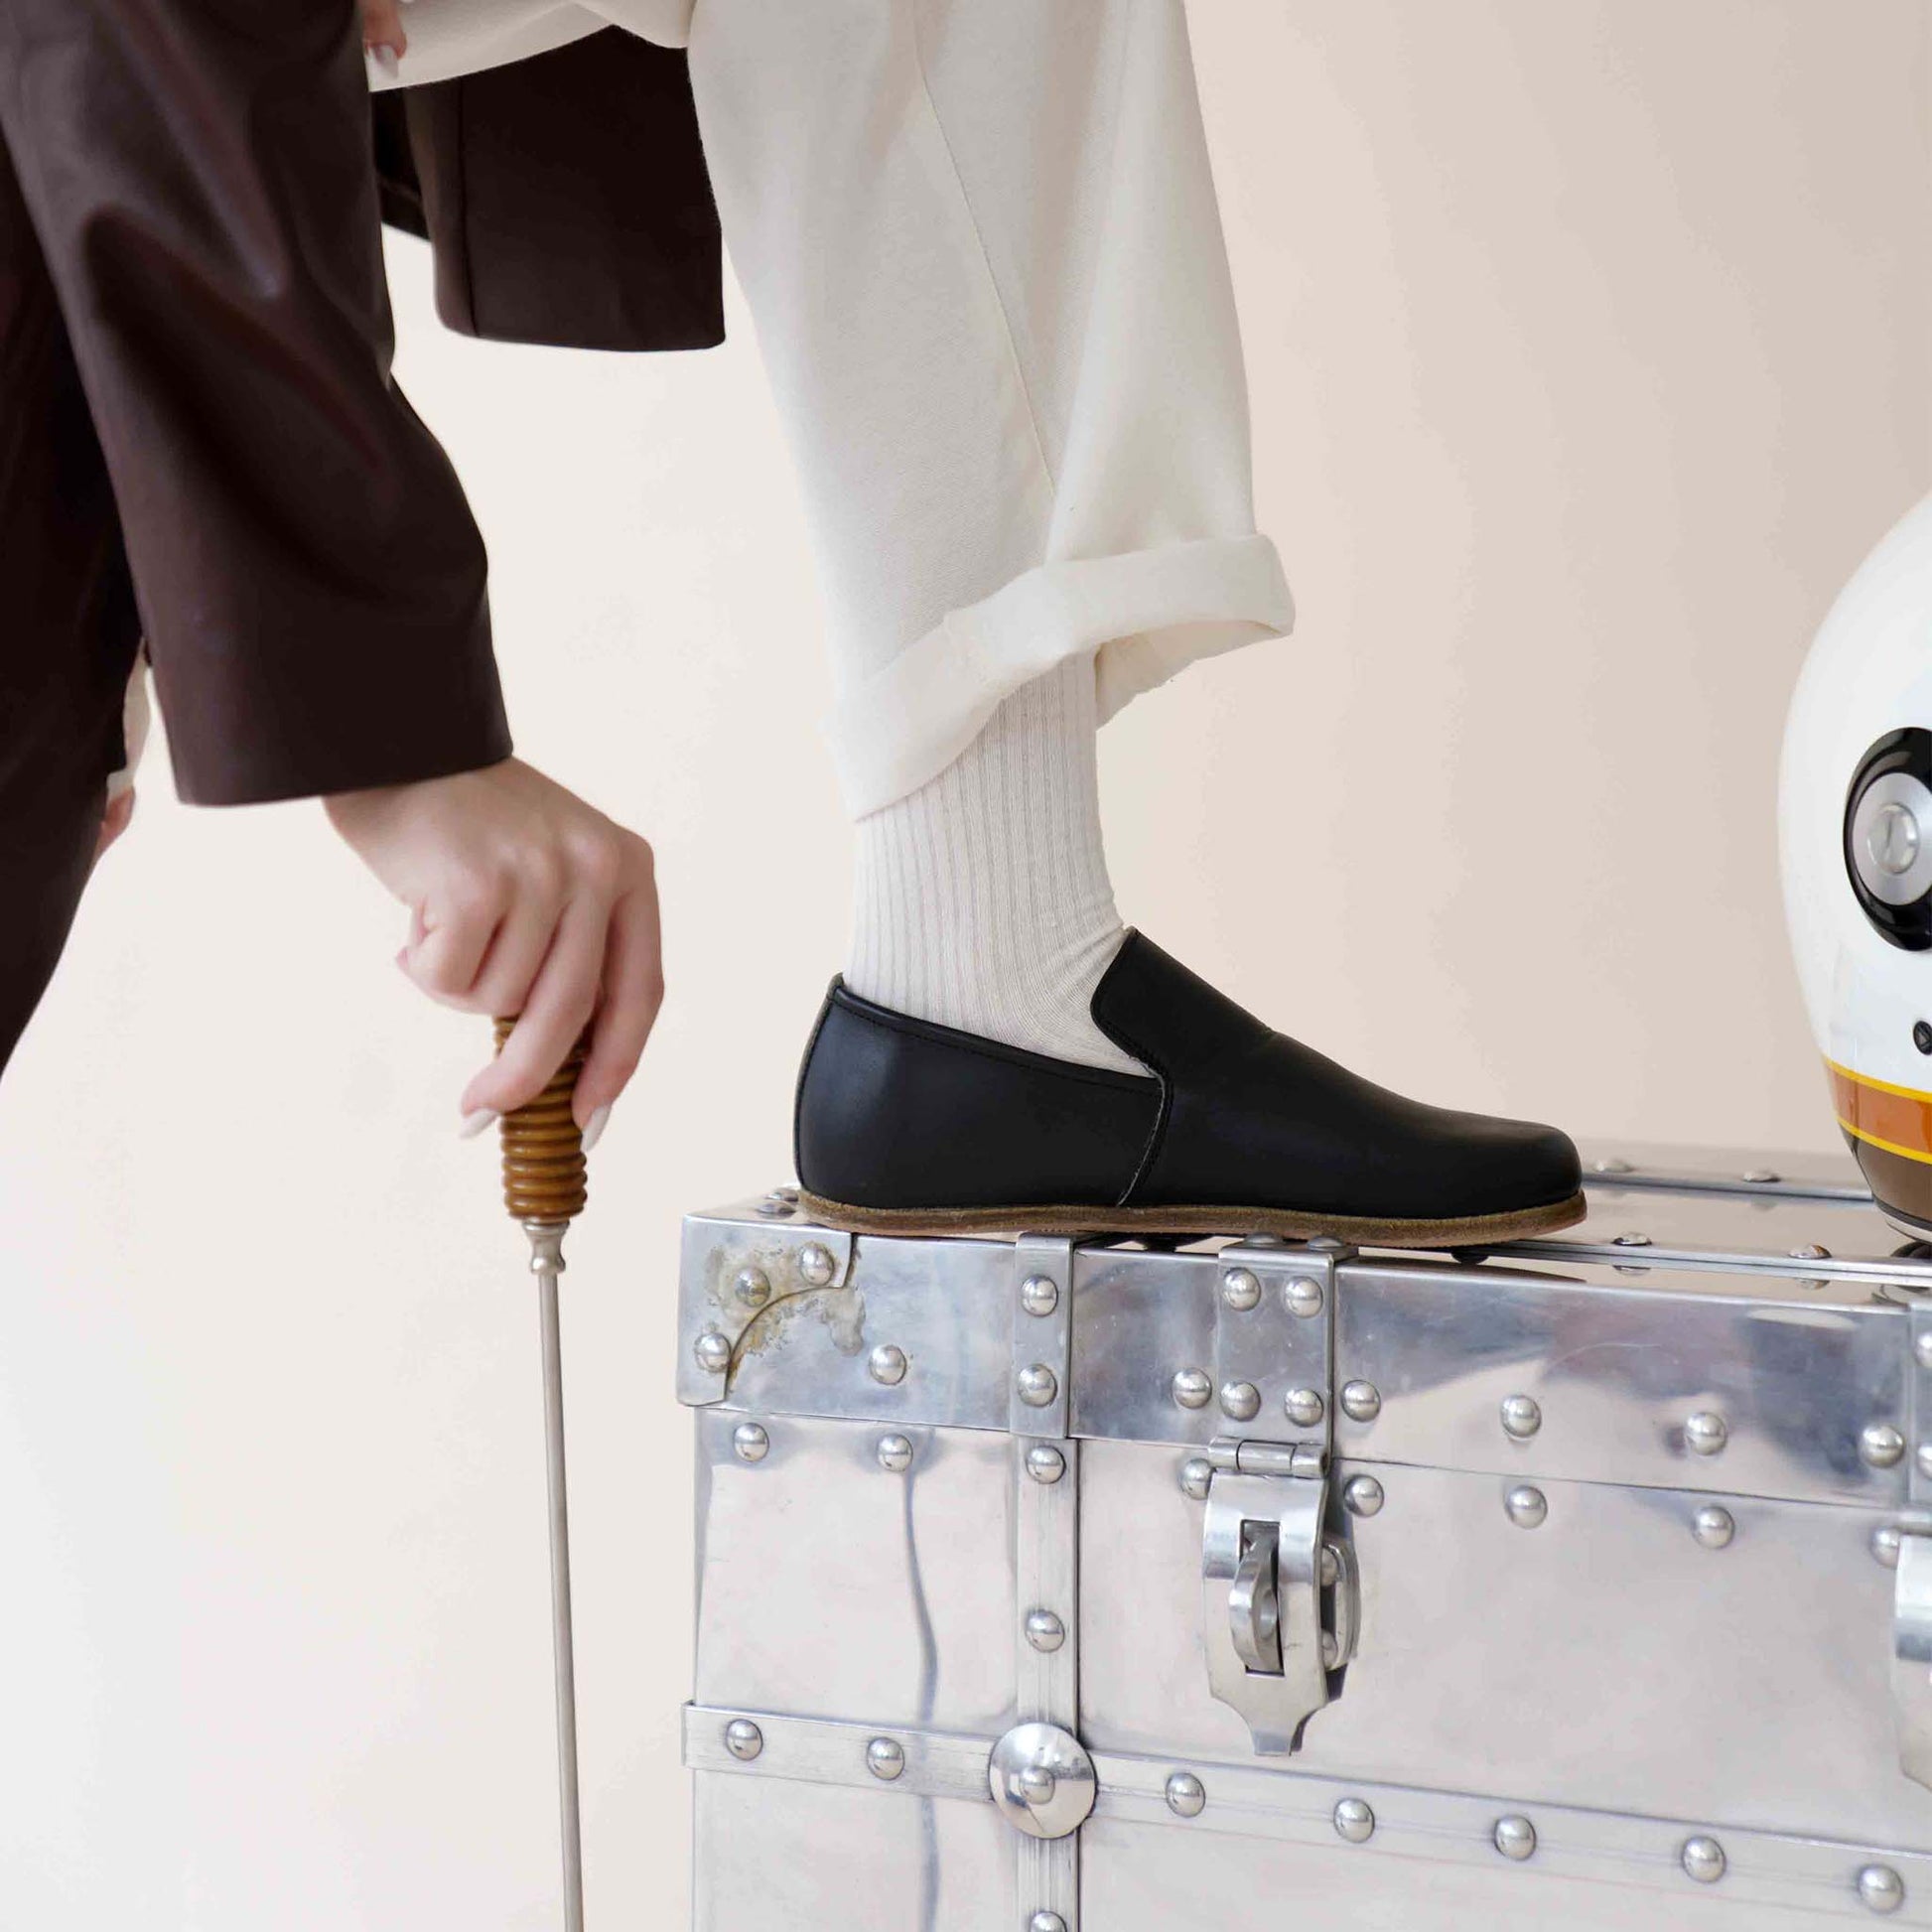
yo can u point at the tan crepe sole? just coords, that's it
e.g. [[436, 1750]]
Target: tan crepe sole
[[1464, 1231]]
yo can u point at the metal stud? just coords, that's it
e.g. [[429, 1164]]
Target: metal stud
[[1705, 1432], [887, 1364], [1632, 1240], [789, 1195], [1811, 1251], [1354, 1821], [1885, 1544], [1187, 1797], [1880, 1445], [1613, 1166], [1361, 1401], [743, 1739], [1037, 1385], [753, 1288], [884, 1758], [1703, 1859], [1240, 1400], [815, 1264], [1040, 1295], [1527, 1506], [713, 1351], [1045, 1631], [1191, 1388], [1923, 1457], [1760, 1177], [1240, 1289], [1196, 1475], [1922, 1347], [1304, 1295], [1303, 1407], [1362, 1495], [1882, 1890], [750, 1442], [772, 1208], [1044, 1464], [1522, 1416], [895, 1454], [1047, 1922], [1714, 1526], [1515, 1838]]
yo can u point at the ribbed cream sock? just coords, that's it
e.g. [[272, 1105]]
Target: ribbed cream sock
[[982, 899]]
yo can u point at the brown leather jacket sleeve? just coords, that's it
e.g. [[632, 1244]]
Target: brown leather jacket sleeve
[[310, 579]]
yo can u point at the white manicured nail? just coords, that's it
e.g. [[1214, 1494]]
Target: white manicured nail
[[480, 1122], [595, 1126]]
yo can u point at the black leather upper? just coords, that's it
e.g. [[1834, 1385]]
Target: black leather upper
[[895, 1112]]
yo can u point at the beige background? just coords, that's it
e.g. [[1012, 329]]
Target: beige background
[[1588, 346]]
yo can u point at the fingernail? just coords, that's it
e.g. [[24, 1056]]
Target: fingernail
[[384, 59], [595, 1126], [480, 1122]]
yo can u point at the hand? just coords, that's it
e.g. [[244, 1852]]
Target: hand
[[523, 901], [382, 35]]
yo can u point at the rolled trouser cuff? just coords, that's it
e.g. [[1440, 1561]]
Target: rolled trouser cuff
[[1143, 615]]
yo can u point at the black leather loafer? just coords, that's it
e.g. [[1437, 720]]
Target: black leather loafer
[[903, 1127]]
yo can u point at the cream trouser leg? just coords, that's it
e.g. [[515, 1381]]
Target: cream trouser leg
[[982, 252]]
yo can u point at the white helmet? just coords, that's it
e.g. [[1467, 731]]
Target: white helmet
[[1855, 831]]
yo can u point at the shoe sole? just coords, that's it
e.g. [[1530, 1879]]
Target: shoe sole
[[1457, 1231]]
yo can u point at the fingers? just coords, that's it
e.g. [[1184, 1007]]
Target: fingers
[[449, 937], [560, 1002], [633, 991]]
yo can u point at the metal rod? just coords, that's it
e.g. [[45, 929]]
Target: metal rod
[[546, 1263]]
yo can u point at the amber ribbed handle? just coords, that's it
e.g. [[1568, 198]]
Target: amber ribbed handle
[[543, 1149]]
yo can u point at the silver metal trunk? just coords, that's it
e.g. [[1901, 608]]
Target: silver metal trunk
[[1585, 1582]]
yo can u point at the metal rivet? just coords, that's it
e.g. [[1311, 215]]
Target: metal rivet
[[815, 1264], [1705, 1432], [1361, 1401], [1040, 1295], [1354, 1821], [887, 1363], [752, 1287], [1240, 1289], [1811, 1251], [1885, 1544], [788, 1194], [1922, 1348], [1037, 1385], [1303, 1407], [1196, 1475], [1186, 1798], [1630, 1240], [1613, 1166], [1045, 1631], [1362, 1495], [1703, 1859], [1191, 1388], [750, 1442], [1038, 1786], [743, 1739], [1522, 1418], [1303, 1296], [1924, 1459], [1044, 1464], [1714, 1526], [1515, 1838], [884, 1758], [1240, 1400], [1880, 1445], [1760, 1177], [1881, 1888], [713, 1351], [1047, 1922], [772, 1208], [895, 1454], [1527, 1506]]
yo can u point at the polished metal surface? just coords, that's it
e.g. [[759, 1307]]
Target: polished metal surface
[[886, 1759], [750, 1442], [887, 1364], [1363, 1495], [743, 1739], [1240, 1289], [1187, 1796], [1527, 1506], [1040, 1295], [1639, 1169], [1046, 1463], [1522, 1418], [1881, 1888], [1043, 1270], [1041, 1779], [1890, 840], [894, 1452], [1714, 1526], [1705, 1432], [1354, 1820], [1703, 1859], [1515, 1838]]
